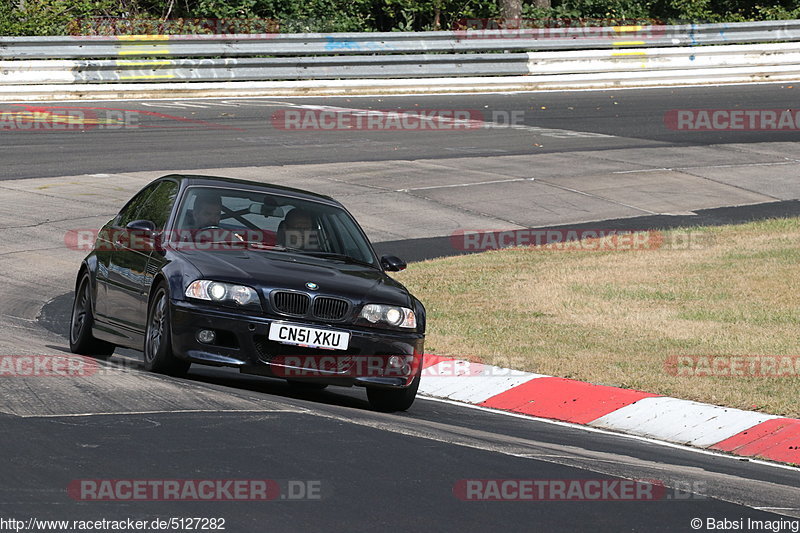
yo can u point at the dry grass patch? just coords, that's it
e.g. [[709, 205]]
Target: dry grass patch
[[614, 317]]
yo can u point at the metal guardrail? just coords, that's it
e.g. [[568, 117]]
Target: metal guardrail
[[397, 67], [621, 55], [468, 41], [255, 69]]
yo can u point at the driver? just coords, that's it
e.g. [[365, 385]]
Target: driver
[[202, 222], [207, 210]]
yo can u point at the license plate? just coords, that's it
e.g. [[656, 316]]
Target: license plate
[[309, 337]]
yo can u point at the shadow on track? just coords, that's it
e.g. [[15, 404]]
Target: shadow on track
[[55, 316]]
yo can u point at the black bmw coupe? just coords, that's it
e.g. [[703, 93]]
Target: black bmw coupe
[[271, 280]]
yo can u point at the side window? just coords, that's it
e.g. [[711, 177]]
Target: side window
[[159, 204], [132, 209], [347, 237]]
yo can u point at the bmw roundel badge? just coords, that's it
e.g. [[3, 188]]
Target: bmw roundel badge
[[312, 286]]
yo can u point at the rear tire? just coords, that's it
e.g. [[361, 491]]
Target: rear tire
[[81, 340], [158, 356], [391, 400]]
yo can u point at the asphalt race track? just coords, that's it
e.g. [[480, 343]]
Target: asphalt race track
[[602, 159], [219, 133]]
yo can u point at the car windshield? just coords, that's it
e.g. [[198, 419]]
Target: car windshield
[[273, 222]]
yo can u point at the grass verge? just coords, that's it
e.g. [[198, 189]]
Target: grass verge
[[616, 317]]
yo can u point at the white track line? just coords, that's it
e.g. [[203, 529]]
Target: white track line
[[447, 94], [463, 184], [178, 411]]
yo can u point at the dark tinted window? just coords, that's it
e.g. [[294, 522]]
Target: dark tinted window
[[284, 223], [159, 204], [152, 203], [131, 210]]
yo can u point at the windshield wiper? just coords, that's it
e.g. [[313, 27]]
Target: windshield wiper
[[258, 245], [242, 244]]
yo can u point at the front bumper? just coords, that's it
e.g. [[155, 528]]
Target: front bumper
[[242, 342]]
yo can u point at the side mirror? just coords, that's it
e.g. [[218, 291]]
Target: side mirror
[[141, 225], [392, 263], [141, 236]]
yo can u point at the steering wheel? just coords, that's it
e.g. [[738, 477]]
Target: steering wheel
[[213, 226]]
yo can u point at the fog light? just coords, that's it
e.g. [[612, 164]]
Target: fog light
[[395, 361], [206, 336]]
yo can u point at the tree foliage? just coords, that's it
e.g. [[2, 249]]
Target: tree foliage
[[58, 17]]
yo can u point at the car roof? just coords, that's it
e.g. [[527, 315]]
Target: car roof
[[199, 180]]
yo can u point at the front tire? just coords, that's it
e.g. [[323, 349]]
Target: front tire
[[158, 356], [81, 340], [391, 400]]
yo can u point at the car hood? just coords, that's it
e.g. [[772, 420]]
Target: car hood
[[267, 270]]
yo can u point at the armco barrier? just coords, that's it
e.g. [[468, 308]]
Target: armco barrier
[[255, 69], [641, 62], [468, 41], [396, 62]]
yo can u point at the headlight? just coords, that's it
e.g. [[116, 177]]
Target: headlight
[[399, 317], [215, 291]]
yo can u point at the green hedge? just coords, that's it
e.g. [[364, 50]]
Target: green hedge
[[60, 17]]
